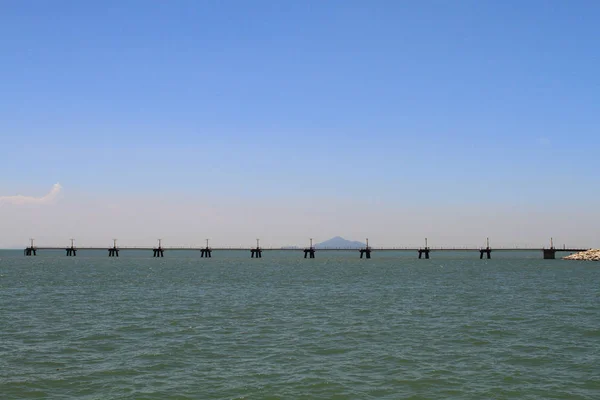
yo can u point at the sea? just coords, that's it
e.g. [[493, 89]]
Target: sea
[[285, 327]]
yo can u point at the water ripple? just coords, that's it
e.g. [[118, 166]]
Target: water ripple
[[283, 327]]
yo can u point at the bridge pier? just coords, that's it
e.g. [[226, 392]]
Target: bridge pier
[[366, 251], [310, 252], [206, 252], [158, 251], [31, 250], [71, 251], [114, 251], [424, 251], [550, 254], [487, 251], [256, 252]]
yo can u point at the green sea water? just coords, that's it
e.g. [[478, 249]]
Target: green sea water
[[284, 327]]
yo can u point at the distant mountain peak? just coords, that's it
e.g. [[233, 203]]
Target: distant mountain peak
[[339, 242]]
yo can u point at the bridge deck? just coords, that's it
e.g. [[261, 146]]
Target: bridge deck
[[316, 248]]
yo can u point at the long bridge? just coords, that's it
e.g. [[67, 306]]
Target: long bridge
[[309, 252]]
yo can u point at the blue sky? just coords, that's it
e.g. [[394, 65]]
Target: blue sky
[[431, 103]]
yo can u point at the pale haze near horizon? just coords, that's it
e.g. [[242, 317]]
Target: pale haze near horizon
[[394, 121], [277, 222]]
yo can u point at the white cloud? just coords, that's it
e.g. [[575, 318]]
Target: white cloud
[[19, 199]]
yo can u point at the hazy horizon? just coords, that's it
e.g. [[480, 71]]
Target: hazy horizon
[[94, 221]]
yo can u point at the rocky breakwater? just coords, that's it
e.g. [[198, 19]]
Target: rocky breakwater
[[589, 255]]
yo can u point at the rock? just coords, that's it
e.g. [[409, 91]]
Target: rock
[[589, 255]]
